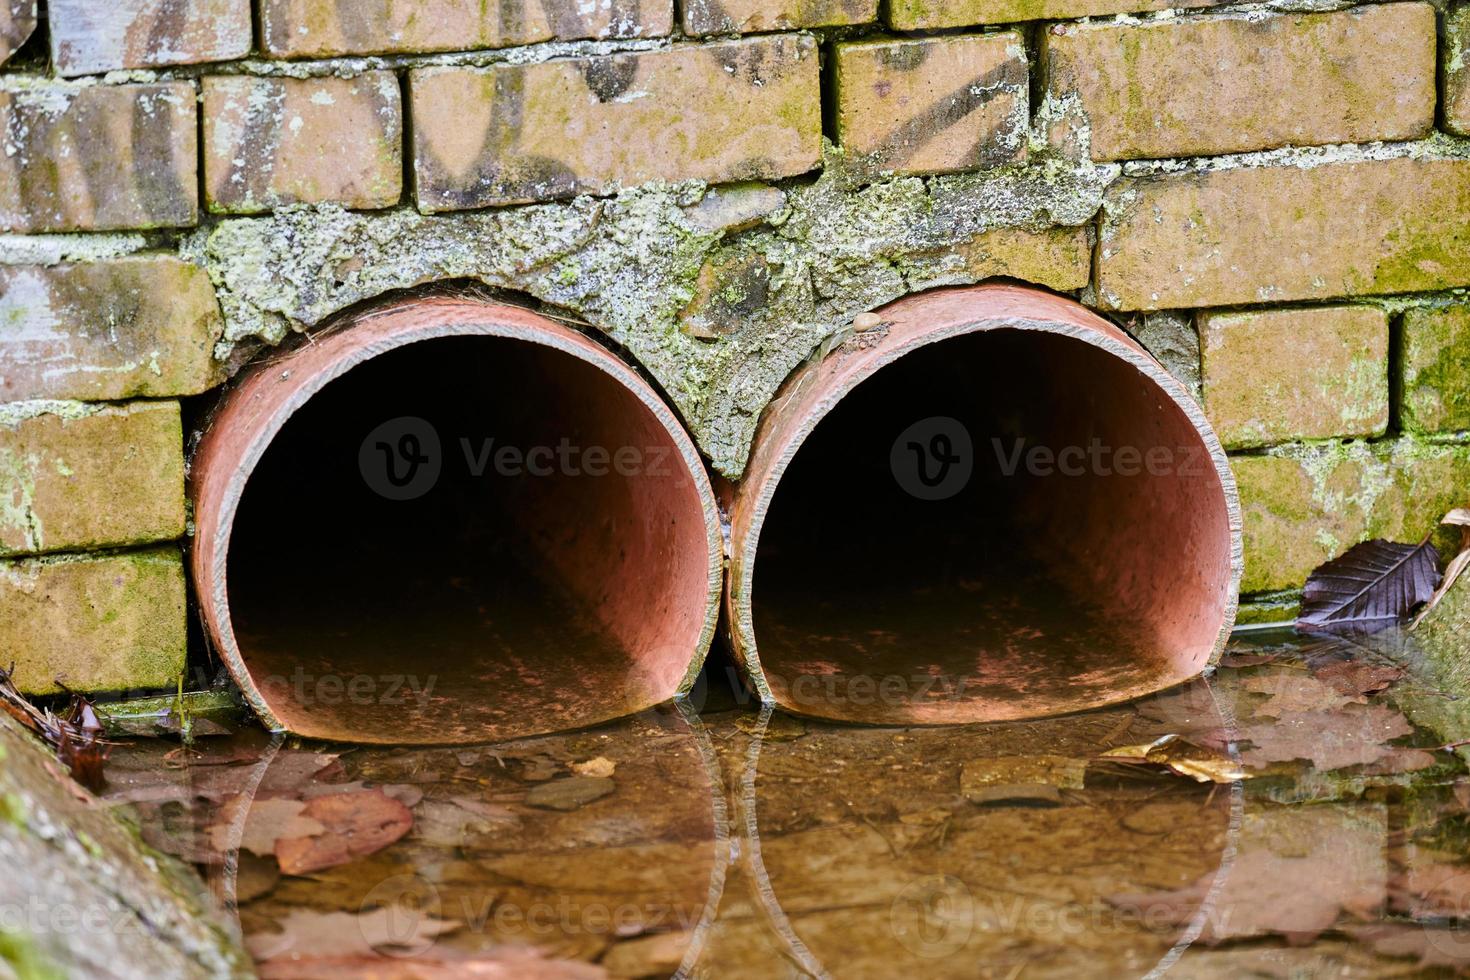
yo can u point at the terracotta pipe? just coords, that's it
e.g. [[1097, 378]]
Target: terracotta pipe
[[544, 554], [994, 505]]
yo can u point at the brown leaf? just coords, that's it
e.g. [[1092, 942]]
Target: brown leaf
[[307, 933], [1350, 736], [1293, 693], [1373, 585], [1296, 873], [1356, 677], [266, 822], [354, 824]]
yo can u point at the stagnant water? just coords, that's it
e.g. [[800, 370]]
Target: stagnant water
[[1295, 813]]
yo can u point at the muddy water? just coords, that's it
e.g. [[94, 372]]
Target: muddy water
[[1293, 814]]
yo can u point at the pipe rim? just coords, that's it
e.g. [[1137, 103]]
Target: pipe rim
[[740, 582], [457, 317]]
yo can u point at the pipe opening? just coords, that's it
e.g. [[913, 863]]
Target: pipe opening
[[545, 563], [1003, 524]]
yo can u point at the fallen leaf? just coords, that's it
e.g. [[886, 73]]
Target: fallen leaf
[[1356, 677], [354, 824], [307, 933], [1373, 585], [1350, 736], [266, 822], [599, 767], [1199, 763], [1297, 871], [454, 823], [569, 793], [1293, 693]]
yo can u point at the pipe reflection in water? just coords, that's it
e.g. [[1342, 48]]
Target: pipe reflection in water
[[1062, 847], [537, 857], [452, 521], [986, 850], [996, 505]]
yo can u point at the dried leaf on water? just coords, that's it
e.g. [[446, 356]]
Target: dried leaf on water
[[1357, 677], [1179, 756], [1373, 585], [1357, 734], [1297, 872], [307, 933], [1293, 693], [266, 822], [354, 824]]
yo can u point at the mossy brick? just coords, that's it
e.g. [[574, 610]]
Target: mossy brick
[[98, 622], [1197, 86], [1304, 505], [928, 15], [758, 16], [934, 105], [1285, 375], [1434, 360], [1455, 68], [327, 28], [97, 157], [76, 476], [17, 24], [729, 111], [1058, 258], [275, 141], [140, 326], [1285, 229], [88, 36]]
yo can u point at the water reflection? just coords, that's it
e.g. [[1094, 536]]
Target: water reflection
[[1297, 812]]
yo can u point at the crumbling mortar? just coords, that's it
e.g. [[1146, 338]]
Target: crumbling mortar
[[836, 246]]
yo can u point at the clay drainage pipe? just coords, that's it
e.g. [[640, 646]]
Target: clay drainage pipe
[[994, 505], [452, 521]]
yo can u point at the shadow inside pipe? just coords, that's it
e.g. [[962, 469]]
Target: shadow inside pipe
[[465, 539], [1000, 525]]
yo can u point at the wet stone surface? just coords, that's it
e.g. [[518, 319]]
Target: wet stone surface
[[1301, 811]]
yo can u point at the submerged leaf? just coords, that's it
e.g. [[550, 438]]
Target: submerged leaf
[[1373, 585]]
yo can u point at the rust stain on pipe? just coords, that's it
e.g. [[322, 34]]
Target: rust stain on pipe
[[995, 505], [497, 597]]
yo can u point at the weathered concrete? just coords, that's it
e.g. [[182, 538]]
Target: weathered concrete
[[628, 265]]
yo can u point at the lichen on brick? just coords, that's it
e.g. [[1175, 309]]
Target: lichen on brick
[[629, 264]]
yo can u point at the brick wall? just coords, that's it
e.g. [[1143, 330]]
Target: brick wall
[[1277, 203]]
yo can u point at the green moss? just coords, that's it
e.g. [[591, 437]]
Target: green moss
[[26, 962]]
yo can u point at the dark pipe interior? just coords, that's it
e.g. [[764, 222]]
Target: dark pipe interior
[[1022, 594], [494, 605]]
